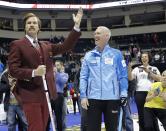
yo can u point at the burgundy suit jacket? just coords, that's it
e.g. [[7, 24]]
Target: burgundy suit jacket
[[24, 58]]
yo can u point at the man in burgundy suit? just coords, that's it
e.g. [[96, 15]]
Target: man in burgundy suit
[[30, 59]]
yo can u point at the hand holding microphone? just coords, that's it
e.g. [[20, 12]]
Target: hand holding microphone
[[40, 70]]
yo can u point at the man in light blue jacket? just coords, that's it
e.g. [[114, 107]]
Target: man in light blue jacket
[[103, 82]]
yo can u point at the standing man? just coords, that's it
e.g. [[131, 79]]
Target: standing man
[[61, 79], [30, 59], [103, 82], [57, 105]]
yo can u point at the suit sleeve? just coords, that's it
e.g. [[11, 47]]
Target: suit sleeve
[[68, 44], [15, 63], [122, 76]]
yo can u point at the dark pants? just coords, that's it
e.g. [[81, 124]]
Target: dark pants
[[151, 114], [110, 110], [140, 97], [57, 107], [37, 115], [127, 118], [84, 121], [75, 100]]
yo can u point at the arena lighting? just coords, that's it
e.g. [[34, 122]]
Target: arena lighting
[[76, 6], [123, 3]]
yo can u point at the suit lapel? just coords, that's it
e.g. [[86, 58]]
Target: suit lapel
[[27, 42], [32, 50]]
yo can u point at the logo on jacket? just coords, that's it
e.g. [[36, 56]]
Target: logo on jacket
[[109, 61]]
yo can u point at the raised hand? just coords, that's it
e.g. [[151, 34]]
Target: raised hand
[[77, 18]]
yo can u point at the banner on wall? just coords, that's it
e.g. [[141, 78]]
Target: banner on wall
[[76, 6]]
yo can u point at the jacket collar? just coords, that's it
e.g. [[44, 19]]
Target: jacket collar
[[96, 51]]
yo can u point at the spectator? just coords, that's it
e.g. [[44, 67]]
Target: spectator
[[145, 76], [74, 99], [11, 106], [127, 118], [57, 105], [83, 111], [155, 106], [1, 67]]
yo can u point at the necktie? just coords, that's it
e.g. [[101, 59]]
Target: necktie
[[36, 44]]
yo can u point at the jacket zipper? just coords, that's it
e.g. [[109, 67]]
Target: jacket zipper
[[90, 87], [101, 74], [113, 87]]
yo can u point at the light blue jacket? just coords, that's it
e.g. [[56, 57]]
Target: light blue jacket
[[103, 75]]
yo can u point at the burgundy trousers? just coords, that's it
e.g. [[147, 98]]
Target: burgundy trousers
[[37, 115]]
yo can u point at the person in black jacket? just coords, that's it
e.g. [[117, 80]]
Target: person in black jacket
[[11, 106], [4, 88]]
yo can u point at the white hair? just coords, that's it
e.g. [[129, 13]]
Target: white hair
[[106, 30]]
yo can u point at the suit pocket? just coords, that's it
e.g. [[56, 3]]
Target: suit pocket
[[37, 81], [25, 84]]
